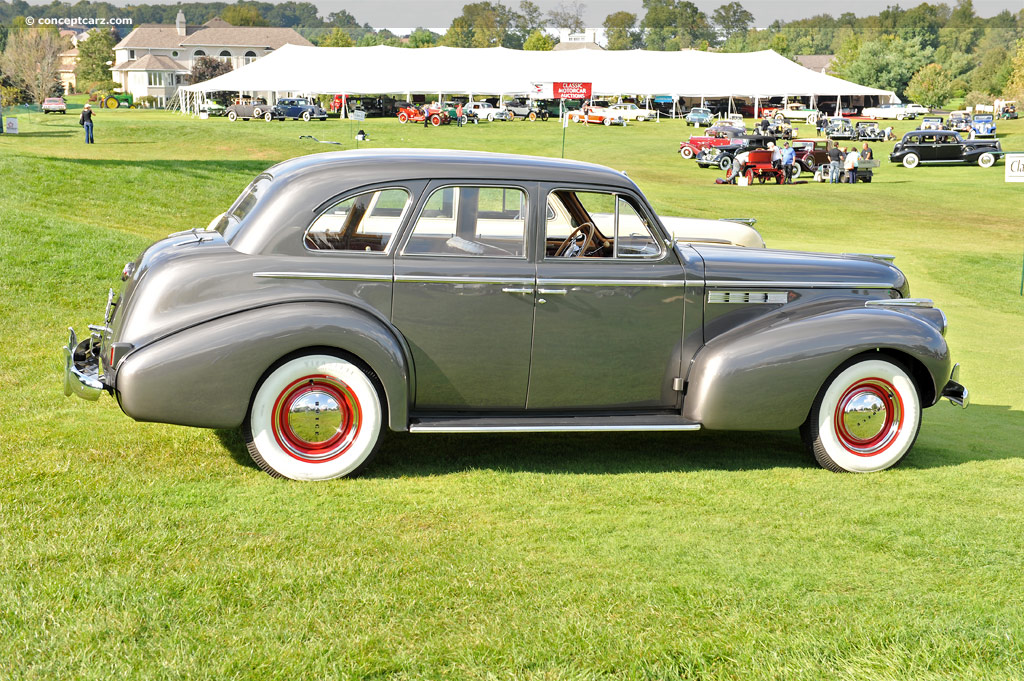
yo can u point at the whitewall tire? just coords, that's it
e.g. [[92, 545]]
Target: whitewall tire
[[911, 161], [686, 152], [866, 417], [315, 417], [987, 160]]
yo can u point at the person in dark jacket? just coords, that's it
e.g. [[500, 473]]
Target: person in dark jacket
[[85, 120], [835, 158]]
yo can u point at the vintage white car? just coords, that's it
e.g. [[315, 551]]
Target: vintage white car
[[897, 111], [793, 111], [631, 112]]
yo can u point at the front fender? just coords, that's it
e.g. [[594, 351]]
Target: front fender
[[765, 375], [205, 375]]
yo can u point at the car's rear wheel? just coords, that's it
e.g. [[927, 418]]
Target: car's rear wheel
[[607, 121], [435, 120], [533, 116], [865, 418], [797, 169], [314, 417], [911, 161], [268, 116], [899, 117], [257, 112], [490, 117], [232, 116], [686, 152], [306, 116], [641, 119], [987, 160]]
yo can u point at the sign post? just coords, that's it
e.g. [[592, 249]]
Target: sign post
[[563, 91], [356, 116]]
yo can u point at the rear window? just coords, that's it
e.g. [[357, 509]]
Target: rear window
[[229, 222]]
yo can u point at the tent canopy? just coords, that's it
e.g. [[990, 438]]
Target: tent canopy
[[498, 70]]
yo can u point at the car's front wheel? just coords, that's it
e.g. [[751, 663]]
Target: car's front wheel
[[268, 116], [232, 116], [315, 417], [724, 163], [911, 161], [686, 152], [306, 116], [865, 418], [987, 160]]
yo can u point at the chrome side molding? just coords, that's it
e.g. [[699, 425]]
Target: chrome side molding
[[900, 302], [874, 256]]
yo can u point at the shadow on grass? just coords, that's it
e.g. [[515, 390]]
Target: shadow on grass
[[252, 168], [408, 455], [55, 133]]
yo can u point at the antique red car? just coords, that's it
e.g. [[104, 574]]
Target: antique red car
[[417, 115], [714, 137], [597, 115]]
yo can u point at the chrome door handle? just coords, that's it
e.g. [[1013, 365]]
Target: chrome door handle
[[516, 289], [553, 291]]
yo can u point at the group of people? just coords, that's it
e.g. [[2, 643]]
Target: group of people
[[846, 158], [435, 106]]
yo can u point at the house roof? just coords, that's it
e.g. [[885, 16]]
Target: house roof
[[815, 62], [216, 33], [150, 62]]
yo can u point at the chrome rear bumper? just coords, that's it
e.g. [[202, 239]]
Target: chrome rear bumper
[[954, 391], [82, 368]]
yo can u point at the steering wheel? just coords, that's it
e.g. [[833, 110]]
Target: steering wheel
[[591, 229]]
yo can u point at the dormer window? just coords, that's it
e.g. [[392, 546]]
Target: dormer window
[[131, 54]]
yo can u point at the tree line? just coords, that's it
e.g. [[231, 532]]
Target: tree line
[[932, 52]]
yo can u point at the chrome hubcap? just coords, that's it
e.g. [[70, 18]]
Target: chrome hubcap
[[864, 416], [315, 417], [868, 417]]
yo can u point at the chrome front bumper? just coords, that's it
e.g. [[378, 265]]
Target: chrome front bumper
[[954, 391], [82, 368]]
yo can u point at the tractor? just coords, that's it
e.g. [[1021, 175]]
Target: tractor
[[114, 100]]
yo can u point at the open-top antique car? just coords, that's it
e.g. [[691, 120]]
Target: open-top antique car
[[712, 137], [793, 111], [597, 115], [868, 131], [415, 114], [721, 157], [346, 294], [944, 146], [253, 108], [839, 128]]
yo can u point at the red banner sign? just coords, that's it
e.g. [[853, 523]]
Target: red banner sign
[[571, 90]]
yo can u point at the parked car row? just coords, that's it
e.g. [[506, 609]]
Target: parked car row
[[296, 108]]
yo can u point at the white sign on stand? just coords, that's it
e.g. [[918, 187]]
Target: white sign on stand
[[1014, 168], [358, 115], [12, 126]]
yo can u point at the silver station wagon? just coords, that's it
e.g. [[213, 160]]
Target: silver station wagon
[[349, 293]]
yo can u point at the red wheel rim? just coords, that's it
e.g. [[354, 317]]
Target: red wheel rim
[[300, 401], [868, 417]]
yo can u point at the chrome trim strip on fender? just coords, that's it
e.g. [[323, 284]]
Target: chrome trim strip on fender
[[900, 302], [719, 283], [431, 428], [323, 275], [748, 297], [874, 256], [510, 281], [664, 283]]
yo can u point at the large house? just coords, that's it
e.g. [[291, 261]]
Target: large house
[[155, 59]]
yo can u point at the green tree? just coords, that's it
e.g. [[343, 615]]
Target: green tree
[[539, 41], [674, 24], [243, 15], [31, 58], [528, 19], [732, 18], [993, 71], [95, 54], [206, 68], [423, 37], [620, 30], [459, 34], [887, 63], [1015, 83], [338, 37], [930, 86], [568, 15]]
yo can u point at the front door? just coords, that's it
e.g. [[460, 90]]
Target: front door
[[464, 297], [609, 315]]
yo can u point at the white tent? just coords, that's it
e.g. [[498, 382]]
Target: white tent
[[497, 70]]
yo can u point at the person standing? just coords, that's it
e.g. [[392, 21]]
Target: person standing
[[458, 114], [788, 158], [835, 158], [866, 154], [85, 120], [851, 165]]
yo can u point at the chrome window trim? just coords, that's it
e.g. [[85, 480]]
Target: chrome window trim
[[346, 197], [409, 278], [617, 193], [526, 224], [324, 275], [719, 283], [657, 283]]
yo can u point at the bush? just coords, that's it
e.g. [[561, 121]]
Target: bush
[[10, 95], [974, 98], [148, 101]]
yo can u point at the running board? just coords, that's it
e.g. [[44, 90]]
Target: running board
[[550, 424]]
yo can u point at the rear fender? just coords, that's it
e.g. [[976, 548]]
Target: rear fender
[[205, 375], [765, 375]]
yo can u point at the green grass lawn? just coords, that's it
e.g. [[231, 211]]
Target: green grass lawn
[[134, 550]]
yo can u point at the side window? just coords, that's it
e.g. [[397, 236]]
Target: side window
[[596, 225], [465, 221], [364, 222]]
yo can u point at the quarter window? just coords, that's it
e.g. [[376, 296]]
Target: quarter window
[[467, 221], [365, 222]]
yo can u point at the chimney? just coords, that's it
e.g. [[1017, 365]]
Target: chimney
[[179, 22]]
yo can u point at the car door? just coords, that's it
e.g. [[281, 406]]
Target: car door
[[609, 314], [464, 296], [947, 148]]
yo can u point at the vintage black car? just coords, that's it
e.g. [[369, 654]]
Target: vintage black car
[[868, 131], [253, 108], [944, 146], [301, 108], [521, 108], [347, 294], [839, 128], [721, 157]]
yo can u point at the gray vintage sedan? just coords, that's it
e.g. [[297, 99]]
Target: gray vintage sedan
[[349, 293]]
